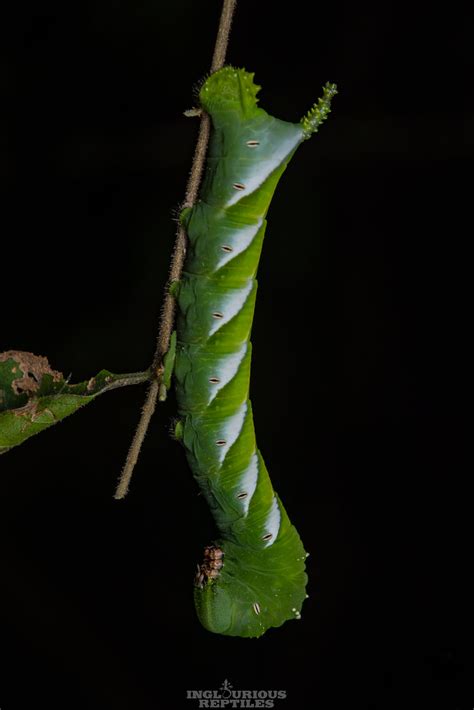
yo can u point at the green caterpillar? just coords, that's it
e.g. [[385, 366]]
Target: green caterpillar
[[253, 577]]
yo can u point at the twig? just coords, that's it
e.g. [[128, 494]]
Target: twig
[[223, 33], [134, 450], [177, 261]]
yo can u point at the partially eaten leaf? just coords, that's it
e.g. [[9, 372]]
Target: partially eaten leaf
[[33, 396]]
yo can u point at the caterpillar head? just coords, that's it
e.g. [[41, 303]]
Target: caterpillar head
[[243, 592]]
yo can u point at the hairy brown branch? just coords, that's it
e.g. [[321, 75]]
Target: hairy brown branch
[[177, 261], [179, 253], [134, 450]]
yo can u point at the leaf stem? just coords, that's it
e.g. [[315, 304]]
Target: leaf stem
[[133, 378], [177, 261]]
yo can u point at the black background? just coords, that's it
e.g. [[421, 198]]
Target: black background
[[358, 373]]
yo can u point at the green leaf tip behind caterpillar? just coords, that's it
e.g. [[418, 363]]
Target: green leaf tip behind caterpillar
[[253, 575], [168, 365]]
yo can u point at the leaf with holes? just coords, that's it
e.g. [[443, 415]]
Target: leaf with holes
[[33, 396], [253, 577]]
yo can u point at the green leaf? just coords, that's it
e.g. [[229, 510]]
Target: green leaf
[[33, 396]]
